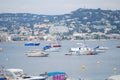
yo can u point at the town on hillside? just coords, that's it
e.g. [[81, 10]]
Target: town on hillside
[[79, 24]]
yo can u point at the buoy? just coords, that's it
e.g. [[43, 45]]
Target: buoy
[[98, 62], [83, 67], [115, 70], [6, 59]]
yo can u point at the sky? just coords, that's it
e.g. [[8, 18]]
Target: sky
[[55, 7]]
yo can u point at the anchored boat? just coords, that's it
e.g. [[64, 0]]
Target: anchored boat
[[52, 47], [18, 74], [36, 53]]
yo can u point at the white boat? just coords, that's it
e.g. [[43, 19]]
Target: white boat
[[1, 49], [115, 77], [18, 74], [103, 48], [36, 53], [81, 51]]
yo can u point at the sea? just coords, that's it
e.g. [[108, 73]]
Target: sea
[[82, 67]]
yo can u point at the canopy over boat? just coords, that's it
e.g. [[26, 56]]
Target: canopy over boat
[[55, 73], [55, 76]]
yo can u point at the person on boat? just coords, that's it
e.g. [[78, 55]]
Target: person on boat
[[78, 52]]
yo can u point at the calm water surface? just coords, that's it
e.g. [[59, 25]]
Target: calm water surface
[[13, 56]]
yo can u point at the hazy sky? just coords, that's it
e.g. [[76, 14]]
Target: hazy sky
[[54, 6]]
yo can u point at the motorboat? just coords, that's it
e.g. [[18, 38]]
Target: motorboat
[[56, 76], [18, 74], [52, 47], [118, 46], [81, 51], [2, 77], [115, 77], [37, 53], [103, 48], [1, 49], [32, 44]]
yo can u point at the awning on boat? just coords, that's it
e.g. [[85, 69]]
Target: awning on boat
[[55, 73]]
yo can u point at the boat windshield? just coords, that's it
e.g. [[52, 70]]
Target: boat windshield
[[9, 75], [19, 73]]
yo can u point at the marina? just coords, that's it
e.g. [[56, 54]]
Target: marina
[[82, 67]]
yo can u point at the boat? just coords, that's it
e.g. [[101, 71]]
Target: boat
[[32, 44], [115, 77], [56, 76], [36, 53], [1, 49], [52, 47], [103, 48], [18, 74], [81, 51], [118, 46], [2, 77]]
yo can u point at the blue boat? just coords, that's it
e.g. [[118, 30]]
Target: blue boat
[[46, 47], [52, 47], [2, 78], [31, 44]]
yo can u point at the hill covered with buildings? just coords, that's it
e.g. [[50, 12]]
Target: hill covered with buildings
[[87, 23]]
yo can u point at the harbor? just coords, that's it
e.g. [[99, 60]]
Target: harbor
[[84, 67]]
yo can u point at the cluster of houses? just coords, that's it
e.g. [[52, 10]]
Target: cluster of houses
[[51, 32]]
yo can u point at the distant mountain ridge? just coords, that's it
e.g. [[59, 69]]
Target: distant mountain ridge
[[78, 18]]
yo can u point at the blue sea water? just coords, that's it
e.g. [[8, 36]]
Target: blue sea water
[[96, 67]]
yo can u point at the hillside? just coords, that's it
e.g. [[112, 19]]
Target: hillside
[[80, 20]]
